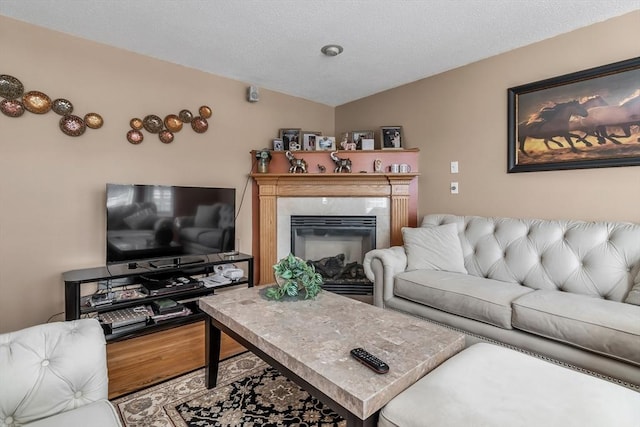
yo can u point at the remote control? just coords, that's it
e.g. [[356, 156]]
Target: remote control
[[369, 360]]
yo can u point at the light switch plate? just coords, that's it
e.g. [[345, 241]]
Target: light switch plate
[[454, 167]]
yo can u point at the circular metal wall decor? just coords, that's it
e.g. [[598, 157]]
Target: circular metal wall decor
[[11, 107], [205, 111], [185, 116], [152, 123], [166, 136], [136, 124], [62, 106], [93, 120], [199, 124], [36, 102], [173, 123], [135, 136], [10, 87], [72, 125]]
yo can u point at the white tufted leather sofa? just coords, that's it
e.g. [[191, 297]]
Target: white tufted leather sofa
[[553, 288], [55, 374]]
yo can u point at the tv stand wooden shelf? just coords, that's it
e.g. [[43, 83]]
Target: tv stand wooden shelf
[[155, 352]]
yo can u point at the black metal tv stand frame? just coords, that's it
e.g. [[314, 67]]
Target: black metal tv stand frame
[[81, 285]]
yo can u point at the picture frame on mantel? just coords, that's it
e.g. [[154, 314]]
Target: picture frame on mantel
[[391, 137], [309, 140], [290, 138], [587, 119], [363, 138]]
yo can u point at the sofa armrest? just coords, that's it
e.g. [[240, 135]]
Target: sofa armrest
[[380, 266]]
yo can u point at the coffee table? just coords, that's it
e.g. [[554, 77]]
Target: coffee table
[[309, 342]]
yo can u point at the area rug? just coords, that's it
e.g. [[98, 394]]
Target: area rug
[[249, 393]]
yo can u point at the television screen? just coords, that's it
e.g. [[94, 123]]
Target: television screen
[[154, 221]]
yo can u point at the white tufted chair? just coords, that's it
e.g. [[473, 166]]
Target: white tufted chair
[[55, 374]]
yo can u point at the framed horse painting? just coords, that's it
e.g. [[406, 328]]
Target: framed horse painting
[[586, 119]]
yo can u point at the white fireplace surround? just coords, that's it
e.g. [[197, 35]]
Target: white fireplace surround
[[386, 195], [374, 206]]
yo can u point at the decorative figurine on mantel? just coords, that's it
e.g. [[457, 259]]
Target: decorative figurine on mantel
[[297, 165], [346, 145], [342, 165], [263, 156]]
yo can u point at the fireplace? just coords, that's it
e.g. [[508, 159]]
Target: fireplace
[[335, 246], [392, 198]]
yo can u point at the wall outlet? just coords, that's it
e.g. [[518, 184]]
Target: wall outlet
[[454, 187]]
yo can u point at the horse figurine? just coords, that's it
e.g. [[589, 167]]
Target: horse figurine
[[297, 165], [342, 165]]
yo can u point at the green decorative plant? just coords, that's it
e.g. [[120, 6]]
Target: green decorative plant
[[293, 276]]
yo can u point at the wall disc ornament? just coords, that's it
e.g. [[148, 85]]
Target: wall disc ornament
[[93, 120], [185, 116], [62, 106], [10, 87], [36, 102], [72, 125], [173, 123], [11, 107], [134, 136], [199, 124], [205, 111], [152, 123], [136, 124], [166, 136]]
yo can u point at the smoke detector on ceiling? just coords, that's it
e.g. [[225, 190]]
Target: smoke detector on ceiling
[[332, 50]]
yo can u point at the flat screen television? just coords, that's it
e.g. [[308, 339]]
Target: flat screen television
[[146, 222]]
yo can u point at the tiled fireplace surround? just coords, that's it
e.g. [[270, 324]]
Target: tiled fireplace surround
[[390, 197]]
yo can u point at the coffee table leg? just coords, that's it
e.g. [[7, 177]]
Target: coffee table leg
[[212, 336]]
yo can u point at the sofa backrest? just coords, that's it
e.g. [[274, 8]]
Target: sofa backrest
[[600, 259], [51, 368]]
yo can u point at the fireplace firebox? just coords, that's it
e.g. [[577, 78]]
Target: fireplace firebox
[[336, 246]]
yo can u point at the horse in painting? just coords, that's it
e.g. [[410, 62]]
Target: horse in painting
[[600, 118], [551, 122]]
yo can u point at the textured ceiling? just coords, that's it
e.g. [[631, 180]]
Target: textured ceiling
[[275, 44]]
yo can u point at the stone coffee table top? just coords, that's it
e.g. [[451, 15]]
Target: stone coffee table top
[[313, 339]]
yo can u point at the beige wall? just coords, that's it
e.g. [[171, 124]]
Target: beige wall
[[52, 186], [462, 115]]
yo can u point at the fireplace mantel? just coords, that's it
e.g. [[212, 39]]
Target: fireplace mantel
[[400, 188]]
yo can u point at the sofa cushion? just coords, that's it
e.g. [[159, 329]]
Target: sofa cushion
[[606, 327], [485, 300], [433, 248], [634, 294]]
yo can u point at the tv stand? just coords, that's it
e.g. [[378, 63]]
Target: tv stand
[[182, 337]]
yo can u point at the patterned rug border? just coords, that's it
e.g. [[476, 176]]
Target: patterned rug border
[[185, 401], [149, 404]]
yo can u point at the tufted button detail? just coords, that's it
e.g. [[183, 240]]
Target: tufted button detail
[[45, 362], [8, 421], [77, 394]]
